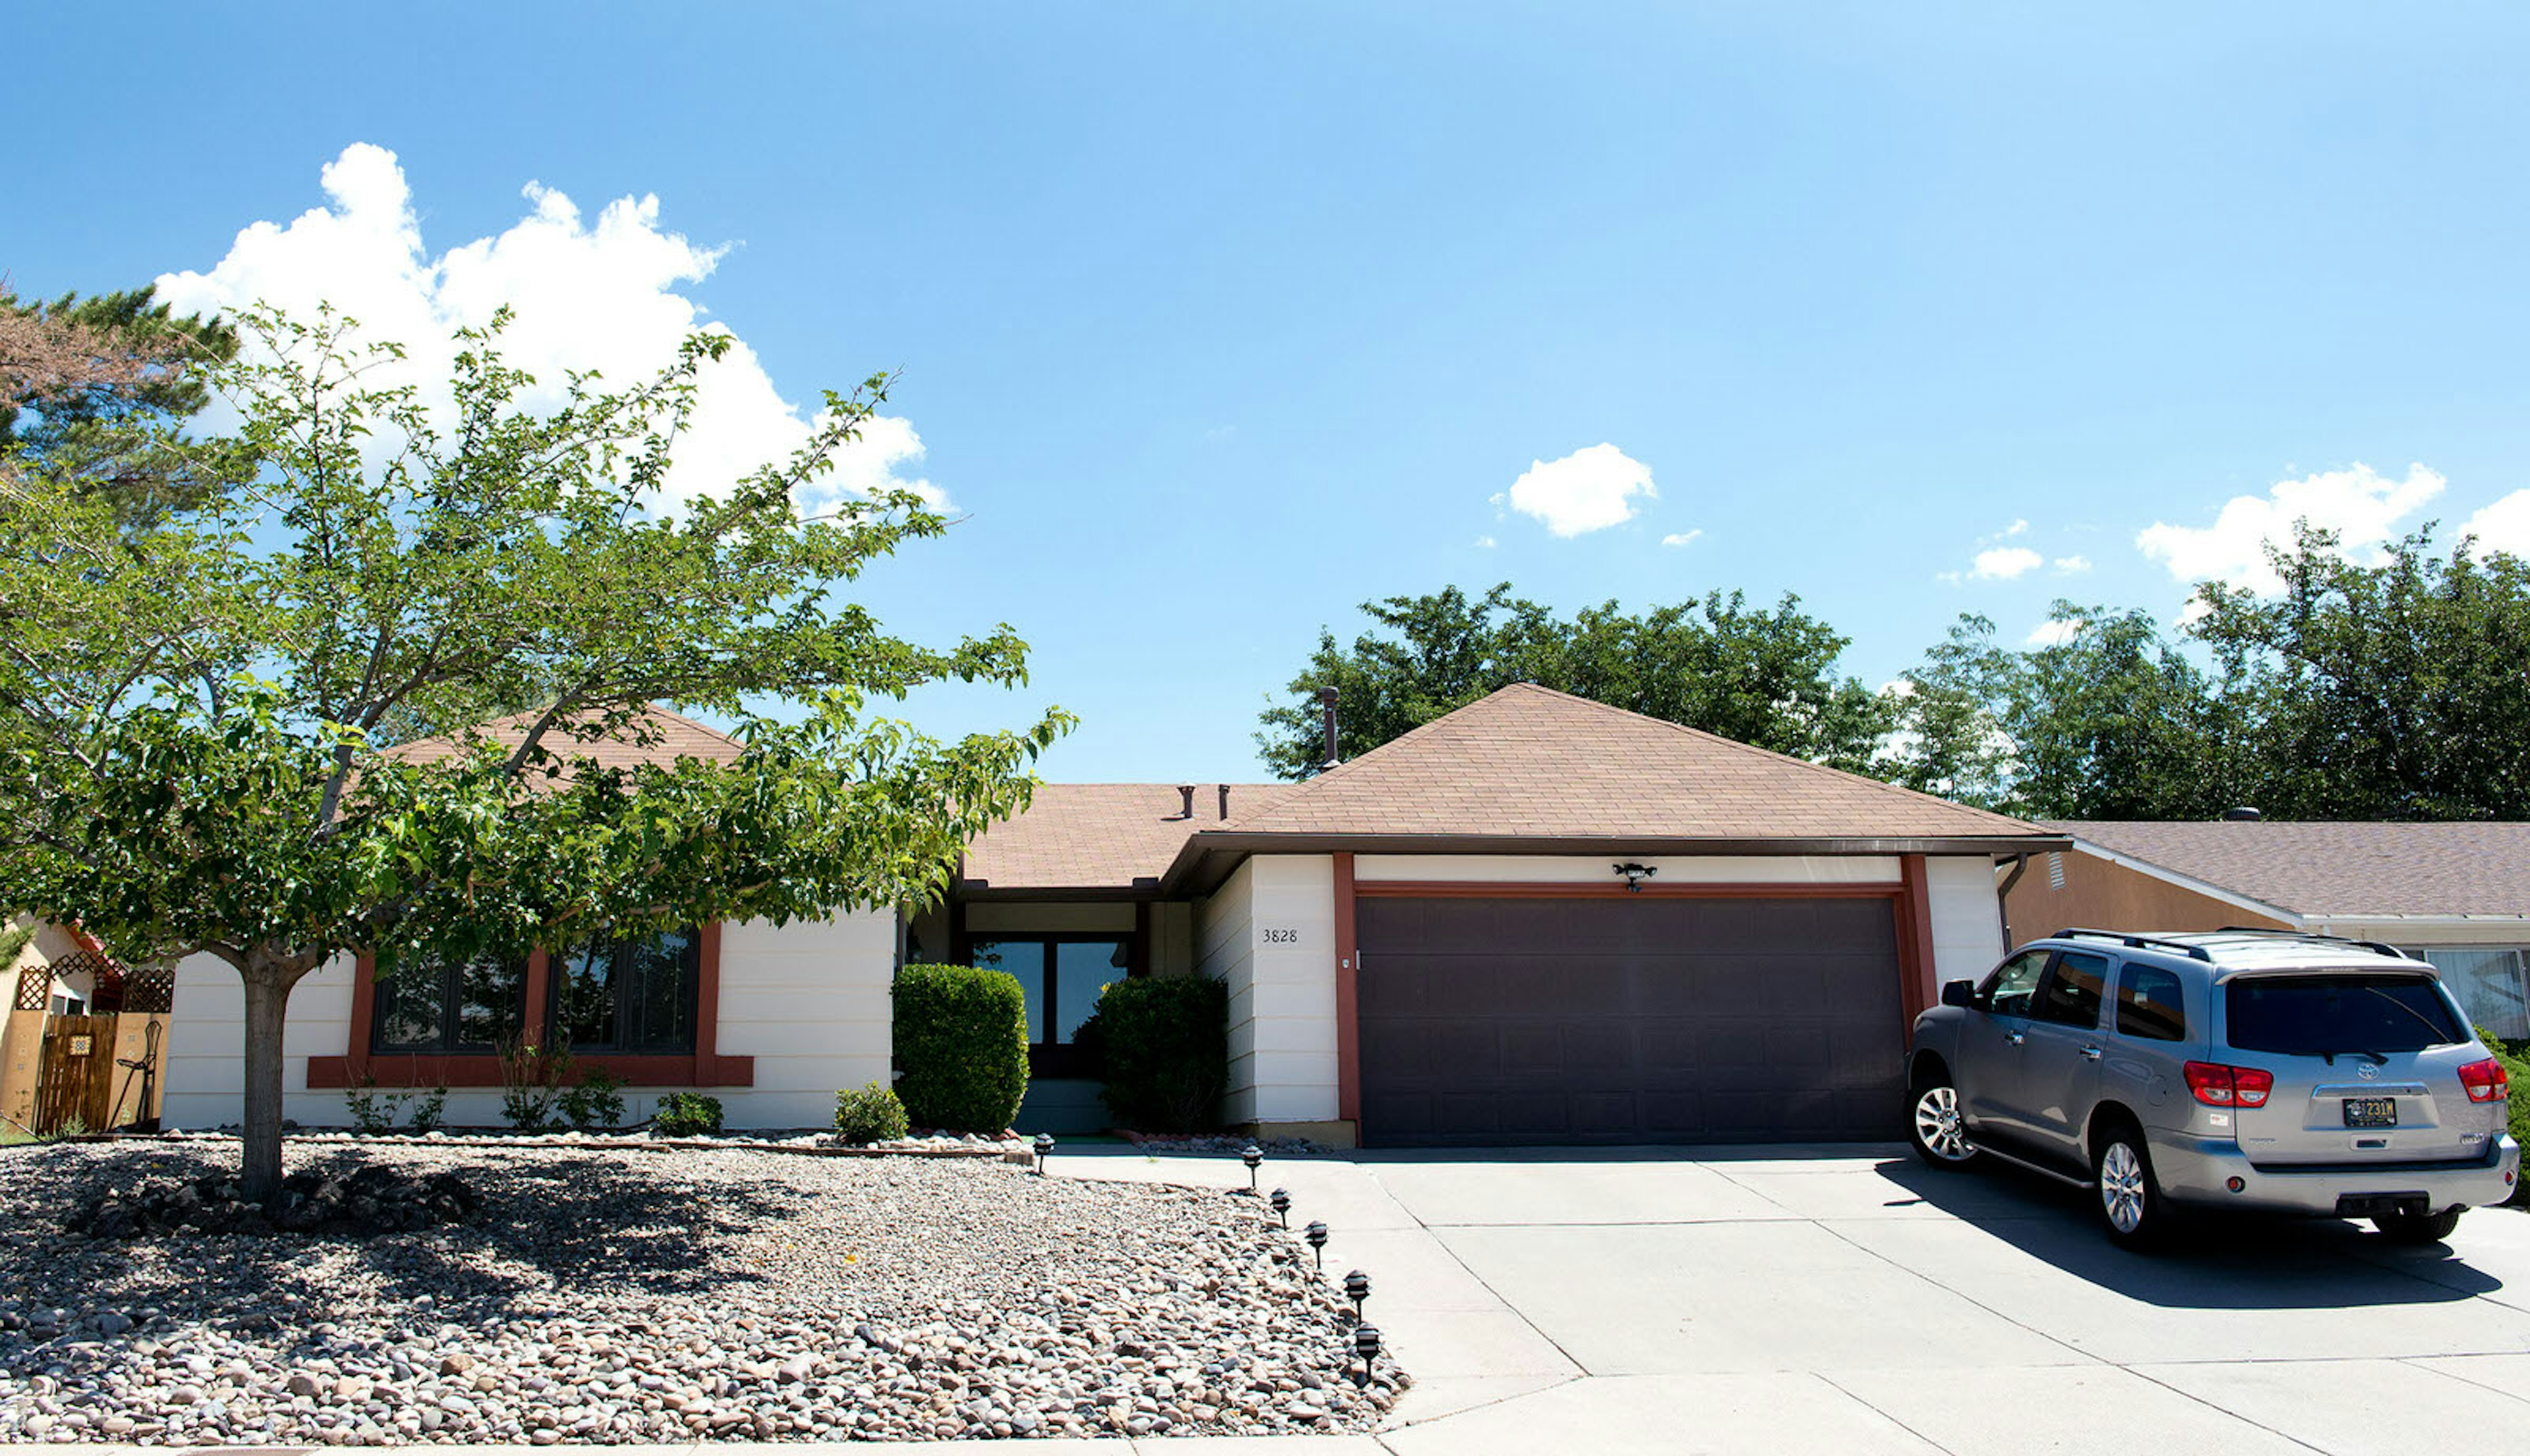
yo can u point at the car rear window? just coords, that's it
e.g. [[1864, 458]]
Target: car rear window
[[2310, 1014], [2150, 1004]]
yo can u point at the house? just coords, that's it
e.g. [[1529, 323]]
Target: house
[[2456, 894], [81, 1042], [1535, 919]]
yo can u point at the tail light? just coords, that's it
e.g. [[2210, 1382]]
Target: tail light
[[2486, 1081], [2219, 1086]]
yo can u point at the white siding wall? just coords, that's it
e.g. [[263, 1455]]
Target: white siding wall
[[1595, 869], [1281, 992], [807, 1000], [1967, 917]]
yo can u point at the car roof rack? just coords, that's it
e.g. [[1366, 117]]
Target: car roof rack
[[2133, 941], [2377, 947]]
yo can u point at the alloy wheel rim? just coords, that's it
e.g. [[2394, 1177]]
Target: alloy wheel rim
[[2121, 1187], [1937, 1124]]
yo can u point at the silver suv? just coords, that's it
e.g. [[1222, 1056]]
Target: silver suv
[[2243, 1069]]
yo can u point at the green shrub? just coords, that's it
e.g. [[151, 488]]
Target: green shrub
[[871, 1114], [532, 1081], [430, 1112], [597, 1102], [373, 1112], [962, 1046], [1165, 1044], [687, 1114]]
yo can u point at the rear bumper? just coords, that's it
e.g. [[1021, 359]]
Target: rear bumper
[[2199, 1170]]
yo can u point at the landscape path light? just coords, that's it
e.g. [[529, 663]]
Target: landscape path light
[[1365, 1343], [1357, 1289], [1316, 1234], [1281, 1203], [1044, 1147], [1255, 1158]]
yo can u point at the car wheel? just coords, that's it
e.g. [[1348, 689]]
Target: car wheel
[[2130, 1204], [1934, 1127], [2417, 1228]]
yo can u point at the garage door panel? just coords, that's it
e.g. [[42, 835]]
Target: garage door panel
[[1627, 1020]]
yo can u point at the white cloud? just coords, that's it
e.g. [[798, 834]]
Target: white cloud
[[1486, 543], [598, 295], [2053, 634], [2005, 563], [2071, 565], [1589, 490], [2362, 505], [1682, 538], [2016, 528], [2503, 525]]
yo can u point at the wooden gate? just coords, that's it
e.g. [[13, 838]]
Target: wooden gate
[[75, 1086]]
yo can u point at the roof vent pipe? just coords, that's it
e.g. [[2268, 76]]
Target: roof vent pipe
[[1186, 792], [2242, 815], [1225, 803], [1327, 714]]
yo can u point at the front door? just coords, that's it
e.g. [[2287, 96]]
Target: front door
[[1993, 1042], [1063, 976], [2060, 1064]]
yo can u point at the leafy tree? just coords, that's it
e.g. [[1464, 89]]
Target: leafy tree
[[195, 709], [1760, 676], [94, 391]]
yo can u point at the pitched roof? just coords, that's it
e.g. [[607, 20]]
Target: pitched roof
[[1527, 762], [655, 736], [2347, 870], [1100, 835]]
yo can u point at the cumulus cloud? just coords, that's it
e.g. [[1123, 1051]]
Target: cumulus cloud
[[2005, 564], [2502, 526], [2071, 565], [1589, 490], [2363, 507], [1682, 538], [603, 295], [2054, 633]]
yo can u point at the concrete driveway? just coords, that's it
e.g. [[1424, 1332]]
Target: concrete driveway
[[1848, 1300]]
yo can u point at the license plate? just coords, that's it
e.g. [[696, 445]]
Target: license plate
[[2371, 1112]]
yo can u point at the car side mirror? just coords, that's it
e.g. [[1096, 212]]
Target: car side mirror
[[1958, 993]]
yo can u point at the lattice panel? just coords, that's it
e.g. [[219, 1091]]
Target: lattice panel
[[34, 987], [150, 991]]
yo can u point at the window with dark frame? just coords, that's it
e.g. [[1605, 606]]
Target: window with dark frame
[[633, 995], [440, 1008], [1061, 975]]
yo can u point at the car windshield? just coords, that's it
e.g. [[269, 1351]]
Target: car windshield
[[2313, 1015]]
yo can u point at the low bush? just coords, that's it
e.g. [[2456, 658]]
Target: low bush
[[687, 1114], [597, 1102], [869, 1114], [1164, 1043], [2516, 1056], [960, 1046], [532, 1081]]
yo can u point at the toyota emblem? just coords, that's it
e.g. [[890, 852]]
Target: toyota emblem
[[2367, 1071]]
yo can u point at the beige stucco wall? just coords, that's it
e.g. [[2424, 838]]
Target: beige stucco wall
[[2100, 895]]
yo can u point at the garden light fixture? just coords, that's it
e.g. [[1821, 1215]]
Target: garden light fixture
[[1044, 1147], [1357, 1289], [1255, 1158], [1281, 1203], [1365, 1343], [1316, 1234]]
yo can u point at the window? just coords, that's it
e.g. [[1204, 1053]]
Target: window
[[2313, 1015], [634, 995], [426, 1006], [2014, 984], [2489, 985], [2075, 989], [1061, 975], [2150, 1005]]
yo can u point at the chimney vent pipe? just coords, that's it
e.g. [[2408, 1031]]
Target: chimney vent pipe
[[1225, 803], [1327, 696], [1186, 792]]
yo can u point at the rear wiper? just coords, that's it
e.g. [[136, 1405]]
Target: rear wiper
[[2330, 1057]]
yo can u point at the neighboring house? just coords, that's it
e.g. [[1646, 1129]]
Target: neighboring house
[[2456, 894], [107, 1074], [1536, 919]]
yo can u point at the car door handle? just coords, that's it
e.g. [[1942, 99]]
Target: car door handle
[[2016, 1038], [2090, 1054]]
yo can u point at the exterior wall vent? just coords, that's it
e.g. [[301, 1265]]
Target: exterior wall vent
[[2054, 869]]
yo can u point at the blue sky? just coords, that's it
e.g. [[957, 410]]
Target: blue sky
[[1216, 321]]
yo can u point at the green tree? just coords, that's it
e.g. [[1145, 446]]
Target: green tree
[[96, 391], [1760, 676], [193, 709]]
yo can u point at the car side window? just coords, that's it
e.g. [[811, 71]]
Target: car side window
[[2150, 1005], [2014, 984], [2074, 990]]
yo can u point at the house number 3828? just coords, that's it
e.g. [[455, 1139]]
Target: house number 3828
[[1282, 937]]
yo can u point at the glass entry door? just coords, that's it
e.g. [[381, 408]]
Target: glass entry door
[[1062, 977]]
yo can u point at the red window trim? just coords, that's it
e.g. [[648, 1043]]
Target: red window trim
[[706, 1067]]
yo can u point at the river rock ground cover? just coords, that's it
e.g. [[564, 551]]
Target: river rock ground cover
[[691, 1294]]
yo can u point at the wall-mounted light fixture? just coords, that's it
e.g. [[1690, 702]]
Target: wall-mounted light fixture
[[1636, 873]]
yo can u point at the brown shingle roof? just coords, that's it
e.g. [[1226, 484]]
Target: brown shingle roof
[[2345, 871], [1101, 836], [671, 737], [1530, 761]]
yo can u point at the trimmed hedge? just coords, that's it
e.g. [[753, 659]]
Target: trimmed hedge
[[868, 1115], [1165, 1044], [960, 1046]]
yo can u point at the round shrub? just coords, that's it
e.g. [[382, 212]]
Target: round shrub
[[960, 1046], [1164, 1042], [687, 1114], [869, 1114]]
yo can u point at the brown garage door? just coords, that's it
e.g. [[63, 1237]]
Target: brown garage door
[[1639, 1019]]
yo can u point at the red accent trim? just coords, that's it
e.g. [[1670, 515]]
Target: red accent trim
[[1347, 996], [539, 997], [1915, 988], [706, 1067], [1590, 889]]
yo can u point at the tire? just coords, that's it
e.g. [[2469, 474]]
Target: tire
[[2128, 1196], [1934, 1127], [2418, 1228]]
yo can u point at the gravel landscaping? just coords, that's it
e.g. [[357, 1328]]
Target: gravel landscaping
[[605, 1295]]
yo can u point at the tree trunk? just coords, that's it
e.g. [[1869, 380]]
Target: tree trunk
[[267, 999]]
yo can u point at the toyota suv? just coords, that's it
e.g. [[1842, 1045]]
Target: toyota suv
[[2241, 1069]]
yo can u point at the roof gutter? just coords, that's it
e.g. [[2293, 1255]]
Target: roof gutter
[[1209, 855]]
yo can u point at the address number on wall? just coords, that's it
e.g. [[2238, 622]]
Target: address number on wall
[[1275, 937]]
